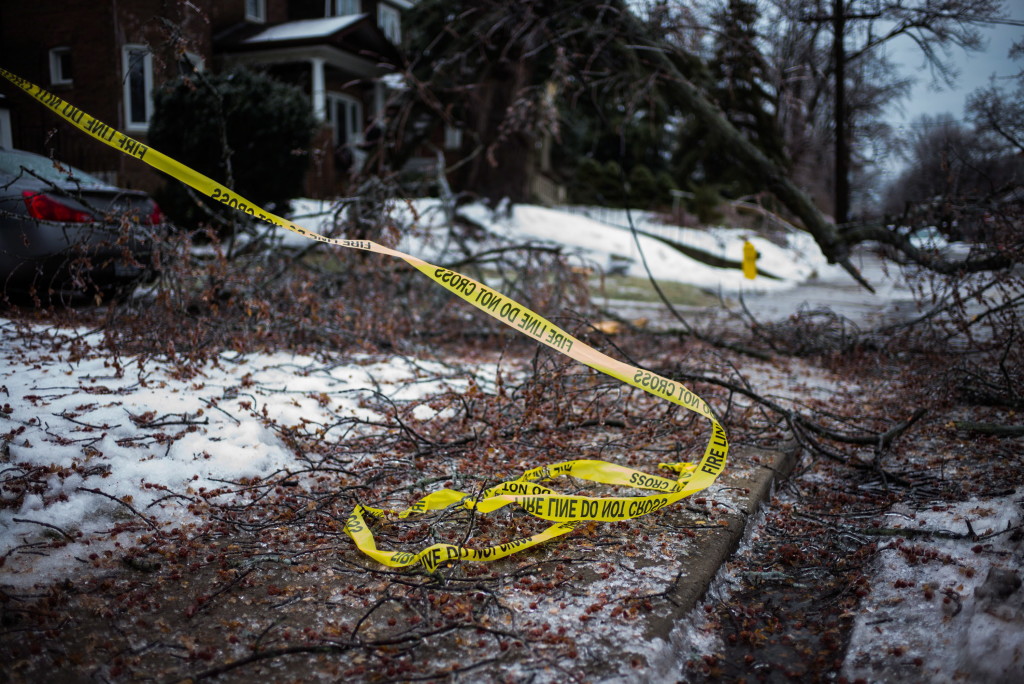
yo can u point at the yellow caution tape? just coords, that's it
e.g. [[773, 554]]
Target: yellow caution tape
[[565, 511]]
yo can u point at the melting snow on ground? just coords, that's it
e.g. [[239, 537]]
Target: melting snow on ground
[[119, 436]]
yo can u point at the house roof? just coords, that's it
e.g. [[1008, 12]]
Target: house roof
[[303, 29], [355, 33]]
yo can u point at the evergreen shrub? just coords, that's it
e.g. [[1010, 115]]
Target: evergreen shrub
[[241, 120]]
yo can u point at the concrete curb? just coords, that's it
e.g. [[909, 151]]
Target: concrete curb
[[773, 466], [658, 655]]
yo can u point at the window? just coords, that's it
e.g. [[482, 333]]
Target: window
[[452, 138], [345, 114], [256, 11], [137, 66], [390, 21], [60, 66], [341, 8]]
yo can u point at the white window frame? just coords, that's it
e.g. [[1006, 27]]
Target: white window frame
[[389, 19], [256, 11], [57, 75], [341, 8], [353, 118], [129, 53]]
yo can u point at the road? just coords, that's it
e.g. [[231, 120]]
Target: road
[[832, 288], [835, 289]]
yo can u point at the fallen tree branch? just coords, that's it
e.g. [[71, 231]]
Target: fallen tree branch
[[990, 261], [127, 505], [914, 532], [991, 428], [869, 439], [44, 524]]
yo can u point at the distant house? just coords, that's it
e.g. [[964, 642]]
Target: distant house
[[107, 57]]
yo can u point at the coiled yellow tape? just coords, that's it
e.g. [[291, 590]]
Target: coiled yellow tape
[[564, 511]]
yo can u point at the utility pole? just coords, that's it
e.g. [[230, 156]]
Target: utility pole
[[842, 142]]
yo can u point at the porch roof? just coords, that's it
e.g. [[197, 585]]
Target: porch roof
[[357, 34]]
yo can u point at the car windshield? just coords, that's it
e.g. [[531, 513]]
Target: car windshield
[[15, 162]]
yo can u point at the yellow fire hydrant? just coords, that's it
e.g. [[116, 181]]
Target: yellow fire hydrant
[[749, 260]]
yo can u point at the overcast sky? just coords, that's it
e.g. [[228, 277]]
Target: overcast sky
[[975, 69], [931, 96]]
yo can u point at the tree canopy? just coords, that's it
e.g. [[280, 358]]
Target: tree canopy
[[510, 72]]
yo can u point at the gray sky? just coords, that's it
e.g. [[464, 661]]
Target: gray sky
[[975, 69], [933, 97]]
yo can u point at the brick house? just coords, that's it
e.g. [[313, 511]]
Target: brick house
[[106, 58]]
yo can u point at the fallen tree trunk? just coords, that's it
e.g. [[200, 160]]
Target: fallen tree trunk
[[688, 97]]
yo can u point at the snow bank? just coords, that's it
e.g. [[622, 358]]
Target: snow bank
[[604, 245]]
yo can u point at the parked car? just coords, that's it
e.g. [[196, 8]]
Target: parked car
[[66, 235], [931, 239]]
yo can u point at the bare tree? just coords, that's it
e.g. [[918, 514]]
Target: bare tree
[[600, 48], [950, 166], [999, 111], [855, 30]]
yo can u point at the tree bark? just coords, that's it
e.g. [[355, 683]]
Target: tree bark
[[494, 104]]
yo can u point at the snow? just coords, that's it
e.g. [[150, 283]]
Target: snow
[[304, 28], [138, 431], [604, 245], [931, 239], [83, 417], [598, 242]]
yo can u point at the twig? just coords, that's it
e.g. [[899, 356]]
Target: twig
[[912, 532], [52, 527], [159, 423], [264, 655], [871, 439], [214, 406], [687, 328]]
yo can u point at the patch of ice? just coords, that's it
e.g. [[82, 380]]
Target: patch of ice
[[927, 617]]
